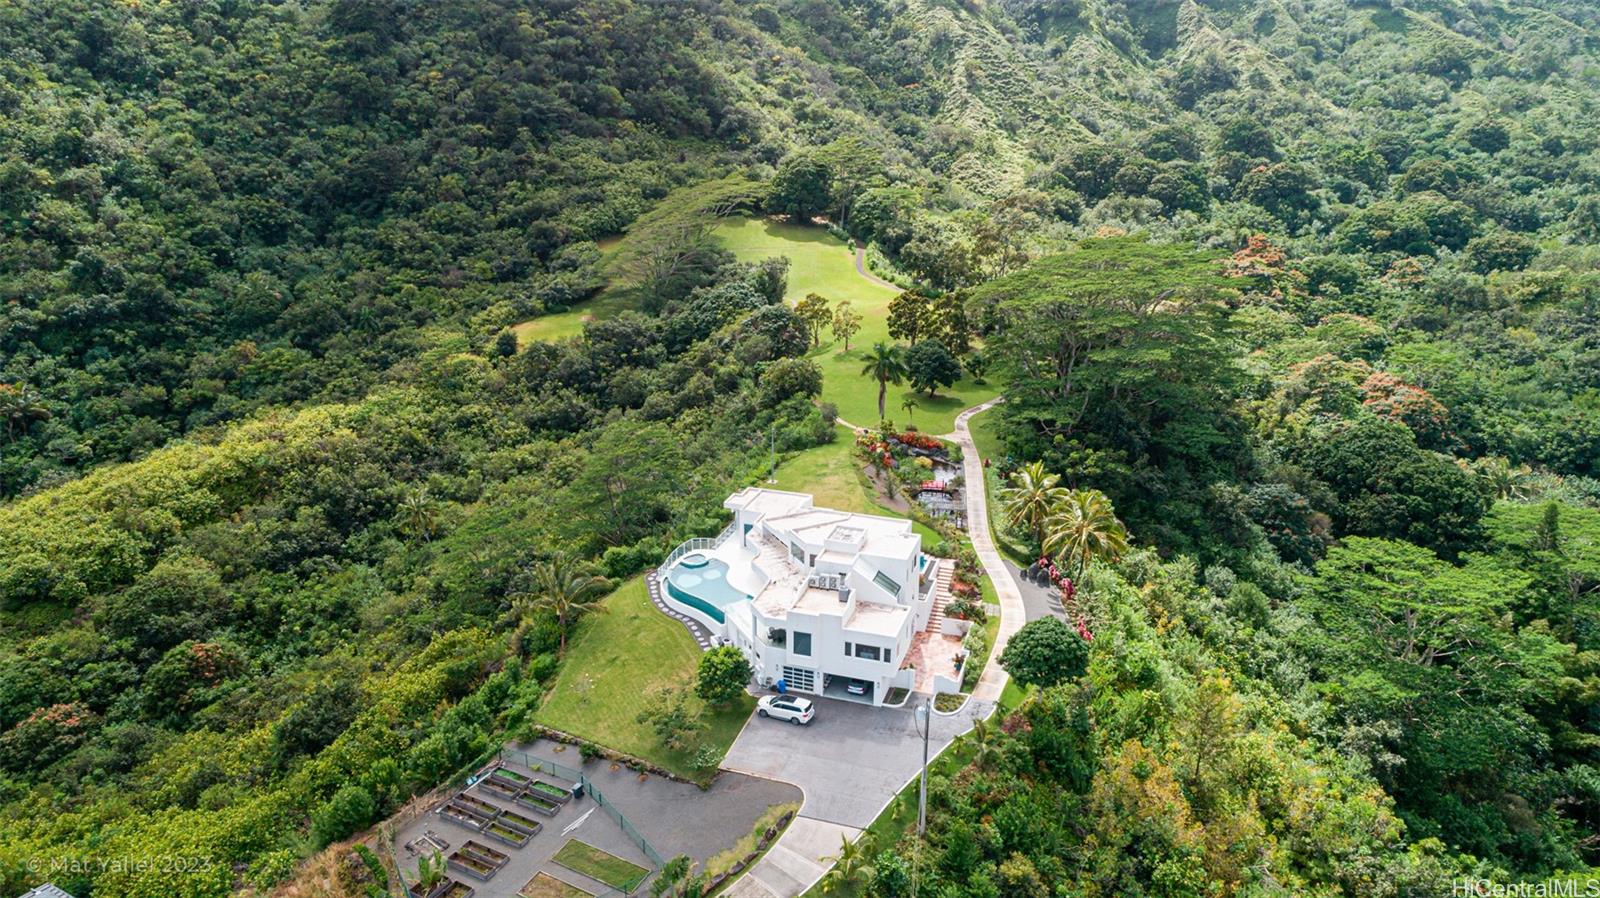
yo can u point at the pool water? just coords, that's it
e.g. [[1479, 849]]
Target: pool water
[[705, 587]]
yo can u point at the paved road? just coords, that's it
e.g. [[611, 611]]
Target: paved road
[[1012, 610], [861, 269], [850, 761]]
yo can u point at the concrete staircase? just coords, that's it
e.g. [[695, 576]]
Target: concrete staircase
[[942, 595]]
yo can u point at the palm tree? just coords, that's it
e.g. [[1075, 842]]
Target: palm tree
[[909, 405], [886, 364], [1032, 498], [983, 748], [20, 405], [1085, 528], [421, 514], [849, 865], [564, 587]]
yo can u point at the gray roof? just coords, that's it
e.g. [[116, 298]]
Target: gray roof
[[46, 891]]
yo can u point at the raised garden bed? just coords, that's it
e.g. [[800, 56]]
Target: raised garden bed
[[469, 817], [550, 791], [484, 853], [468, 865], [517, 821], [499, 789], [538, 804], [502, 833], [457, 890], [448, 888], [510, 778], [485, 808]]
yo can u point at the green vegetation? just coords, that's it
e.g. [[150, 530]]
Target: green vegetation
[[600, 866], [327, 333], [624, 662]]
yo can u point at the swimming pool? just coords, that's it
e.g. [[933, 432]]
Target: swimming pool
[[704, 586]]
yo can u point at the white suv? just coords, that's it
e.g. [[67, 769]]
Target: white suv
[[792, 708]]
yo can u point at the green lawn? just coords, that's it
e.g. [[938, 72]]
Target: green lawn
[[818, 263], [615, 663], [601, 866], [831, 473]]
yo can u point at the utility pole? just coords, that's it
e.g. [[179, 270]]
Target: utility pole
[[772, 471], [925, 728]]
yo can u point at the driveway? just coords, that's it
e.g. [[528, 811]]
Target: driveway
[[850, 760]]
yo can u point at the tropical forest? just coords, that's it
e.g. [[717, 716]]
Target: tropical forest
[[367, 366]]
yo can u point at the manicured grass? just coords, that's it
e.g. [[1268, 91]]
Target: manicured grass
[[543, 885], [616, 663], [820, 263], [568, 324], [600, 866], [831, 473], [1012, 696]]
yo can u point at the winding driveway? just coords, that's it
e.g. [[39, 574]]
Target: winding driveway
[[1012, 610], [849, 776]]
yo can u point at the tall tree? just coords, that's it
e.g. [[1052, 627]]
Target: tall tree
[[814, 311], [846, 322], [563, 587], [886, 364], [1083, 527], [910, 315], [1031, 498], [800, 189]]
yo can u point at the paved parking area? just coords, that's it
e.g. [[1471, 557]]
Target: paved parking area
[[849, 761]]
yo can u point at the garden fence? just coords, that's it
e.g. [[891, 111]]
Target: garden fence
[[575, 775]]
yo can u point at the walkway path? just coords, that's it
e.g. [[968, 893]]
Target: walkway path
[[861, 269], [702, 636], [1012, 611]]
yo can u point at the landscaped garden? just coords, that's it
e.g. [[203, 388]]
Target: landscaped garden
[[600, 866], [625, 661]]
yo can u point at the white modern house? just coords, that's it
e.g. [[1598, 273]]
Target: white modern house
[[816, 598]]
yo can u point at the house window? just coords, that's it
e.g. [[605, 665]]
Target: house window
[[798, 551], [802, 643], [886, 653], [847, 650], [869, 652], [889, 586]]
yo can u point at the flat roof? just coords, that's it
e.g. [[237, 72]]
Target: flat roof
[[879, 620]]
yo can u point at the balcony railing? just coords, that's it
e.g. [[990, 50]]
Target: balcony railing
[[698, 544]]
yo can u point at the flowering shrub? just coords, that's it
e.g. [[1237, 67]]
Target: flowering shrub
[[47, 735]]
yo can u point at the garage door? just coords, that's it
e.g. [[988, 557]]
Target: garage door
[[800, 678]]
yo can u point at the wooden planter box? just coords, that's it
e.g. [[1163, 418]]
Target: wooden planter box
[[516, 781], [549, 791], [465, 864], [503, 833], [465, 815], [484, 853], [476, 805], [518, 822], [449, 888], [498, 789], [457, 890], [538, 804]]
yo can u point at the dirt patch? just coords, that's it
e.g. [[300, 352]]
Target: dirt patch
[[880, 488]]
